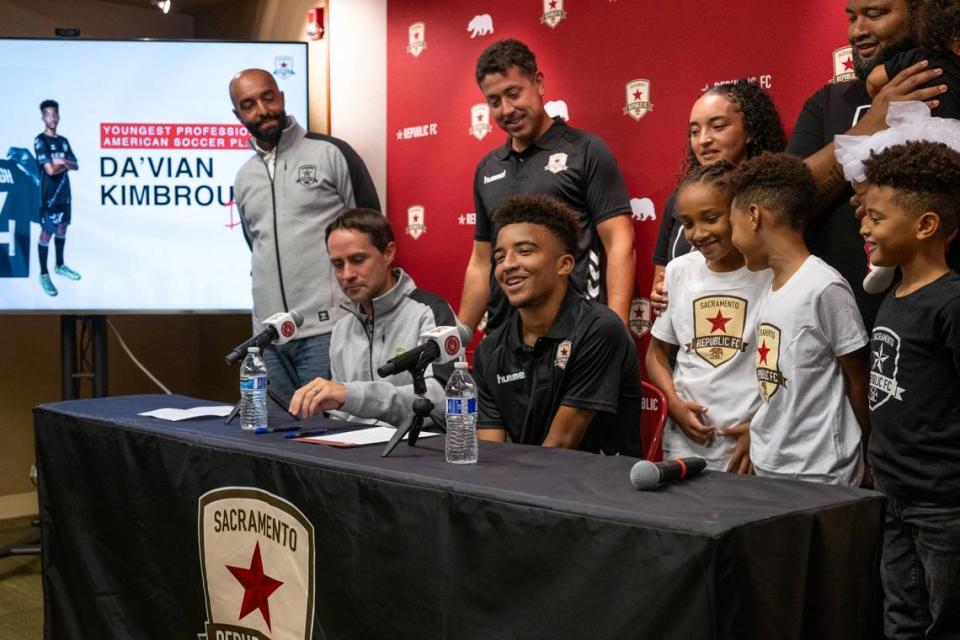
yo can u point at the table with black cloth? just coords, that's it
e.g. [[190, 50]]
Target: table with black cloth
[[529, 543]]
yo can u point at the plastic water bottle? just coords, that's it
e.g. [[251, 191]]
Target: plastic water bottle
[[461, 392], [253, 391]]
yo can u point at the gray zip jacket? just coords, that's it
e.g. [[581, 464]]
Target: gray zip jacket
[[284, 218], [361, 343]]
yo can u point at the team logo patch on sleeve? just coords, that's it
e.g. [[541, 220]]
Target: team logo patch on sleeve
[[563, 354], [418, 39], [843, 65], [768, 361], [884, 364], [257, 555], [718, 323], [638, 99], [307, 174], [480, 120]]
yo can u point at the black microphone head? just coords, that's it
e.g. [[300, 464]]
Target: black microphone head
[[645, 475]]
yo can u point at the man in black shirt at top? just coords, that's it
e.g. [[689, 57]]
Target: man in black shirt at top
[[544, 155], [562, 371], [55, 158], [878, 30]]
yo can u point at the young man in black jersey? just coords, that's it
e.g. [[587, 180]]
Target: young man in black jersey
[[55, 158]]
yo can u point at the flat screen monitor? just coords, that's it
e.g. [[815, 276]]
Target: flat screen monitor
[[151, 148]]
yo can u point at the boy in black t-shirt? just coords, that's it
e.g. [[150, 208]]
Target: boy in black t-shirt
[[912, 206], [54, 158]]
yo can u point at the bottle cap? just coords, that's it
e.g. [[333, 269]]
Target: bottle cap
[[459, 364], [253, 349]]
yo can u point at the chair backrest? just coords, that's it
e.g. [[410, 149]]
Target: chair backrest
[[652, 419]]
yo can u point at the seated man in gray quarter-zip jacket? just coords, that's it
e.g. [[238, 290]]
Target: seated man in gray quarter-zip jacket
[[386, 316]]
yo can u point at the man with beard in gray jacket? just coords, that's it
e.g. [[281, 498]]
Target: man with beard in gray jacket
[[386, 316]]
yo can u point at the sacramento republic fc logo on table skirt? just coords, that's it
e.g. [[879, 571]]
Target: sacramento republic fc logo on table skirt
[[257, 554]]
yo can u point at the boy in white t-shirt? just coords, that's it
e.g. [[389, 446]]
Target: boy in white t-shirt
[[711, 391], [811, 357]]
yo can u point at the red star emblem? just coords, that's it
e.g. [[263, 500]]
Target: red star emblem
[[416, 36], [848, 64], [283, 64], [763, 350], [638, 312], [637, 95], [415, 217], [718, 322], [553, 4], [563, 352], [257, 587], [479, 117]]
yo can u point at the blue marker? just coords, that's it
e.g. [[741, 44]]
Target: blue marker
[[305, 434], [276, 429]]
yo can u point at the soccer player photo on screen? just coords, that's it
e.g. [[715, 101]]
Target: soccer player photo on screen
[[55, 158]]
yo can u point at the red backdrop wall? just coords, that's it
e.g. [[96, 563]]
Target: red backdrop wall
[[587, 59]]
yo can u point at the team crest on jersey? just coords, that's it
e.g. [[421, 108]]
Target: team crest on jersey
[[415, 225], [257, 556], [640, 317], [480, 120], [768, 360], [843, 65], [283, 67], [718, 323], [556, 163], [638, 99], [418, 39], [563, 354], [553, 13], [884, 364], [307, 174]]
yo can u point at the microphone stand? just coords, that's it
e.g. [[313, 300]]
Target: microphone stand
[[422, 407]]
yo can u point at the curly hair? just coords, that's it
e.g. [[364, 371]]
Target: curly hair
[[925, 176], [761, 121], [543, 210], [503, 54], [779, 182], [938, 26], [47, 104], [715, 174]]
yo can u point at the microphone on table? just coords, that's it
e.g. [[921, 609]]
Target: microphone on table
[[278, 329], [646, 475], [440, 344]]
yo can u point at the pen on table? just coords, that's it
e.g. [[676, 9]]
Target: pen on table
[[276, 429], [305, 434]]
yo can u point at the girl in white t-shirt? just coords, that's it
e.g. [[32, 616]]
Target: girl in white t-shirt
[[712, 391]]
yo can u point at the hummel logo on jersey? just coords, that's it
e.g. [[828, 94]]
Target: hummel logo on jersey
[[511, 377], [494, 178]]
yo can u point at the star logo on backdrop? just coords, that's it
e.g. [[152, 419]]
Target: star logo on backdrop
[[843, 65], [417, 41], [480, 120], [718, 322], [257, 587], [553, 13], [638, 99]]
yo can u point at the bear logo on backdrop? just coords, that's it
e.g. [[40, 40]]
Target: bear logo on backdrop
[[638, 99], [257, 557], [480, 25], [418, 39], [843, 65], [556, 108], [642, 209]]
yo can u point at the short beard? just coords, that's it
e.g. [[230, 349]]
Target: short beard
[[862, 68], [270, 136]]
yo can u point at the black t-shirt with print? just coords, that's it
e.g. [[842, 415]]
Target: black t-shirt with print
[[914, 393]]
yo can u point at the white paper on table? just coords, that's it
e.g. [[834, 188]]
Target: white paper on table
[[185, 414], [373, 435]]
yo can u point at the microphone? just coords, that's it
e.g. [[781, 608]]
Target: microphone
[[278, 329], [646, 475], [441, 344]]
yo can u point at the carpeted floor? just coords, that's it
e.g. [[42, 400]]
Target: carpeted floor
[[21, 591]]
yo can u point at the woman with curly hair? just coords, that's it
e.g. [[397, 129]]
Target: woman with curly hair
[[730, 122], [937, 33]]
